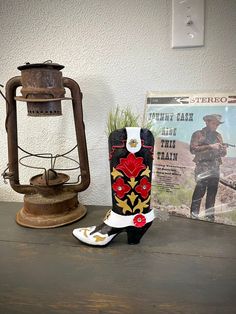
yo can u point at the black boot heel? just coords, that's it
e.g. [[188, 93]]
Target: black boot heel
[[135, 234]]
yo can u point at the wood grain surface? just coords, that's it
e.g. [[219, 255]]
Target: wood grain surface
[[180, 266]]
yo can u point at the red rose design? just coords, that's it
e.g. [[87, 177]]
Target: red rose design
[[120, 187], [143, 188], [139, 220], [131, 165]]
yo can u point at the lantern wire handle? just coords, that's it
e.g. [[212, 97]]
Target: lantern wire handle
[[5, 175]]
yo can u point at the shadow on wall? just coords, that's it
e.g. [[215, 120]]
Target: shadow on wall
[[98, 101]]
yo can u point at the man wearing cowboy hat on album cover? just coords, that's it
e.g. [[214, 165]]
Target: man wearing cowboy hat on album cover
[[207, 146]]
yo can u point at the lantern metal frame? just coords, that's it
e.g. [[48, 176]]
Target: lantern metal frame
[[49, 205]]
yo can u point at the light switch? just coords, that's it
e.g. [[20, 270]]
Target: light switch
[[187, 23]]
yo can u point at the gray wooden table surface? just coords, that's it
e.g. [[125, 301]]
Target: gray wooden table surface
[[180, 266]]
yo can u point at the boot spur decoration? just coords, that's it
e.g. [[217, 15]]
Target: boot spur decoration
[[131, 156]]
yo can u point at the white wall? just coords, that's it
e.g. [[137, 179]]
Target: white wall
[[116, 50]]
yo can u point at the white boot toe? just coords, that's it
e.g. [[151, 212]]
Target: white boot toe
[[98, 239]]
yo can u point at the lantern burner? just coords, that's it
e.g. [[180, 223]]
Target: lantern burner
[[49, 178]]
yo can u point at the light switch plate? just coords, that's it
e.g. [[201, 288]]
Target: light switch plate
[[187, 23]]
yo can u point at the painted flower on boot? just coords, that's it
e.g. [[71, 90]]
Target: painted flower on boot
[[131, 165], [143, 188], [120, 187], [139, 221]]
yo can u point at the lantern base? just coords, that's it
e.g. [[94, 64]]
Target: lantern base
[[50, 212]]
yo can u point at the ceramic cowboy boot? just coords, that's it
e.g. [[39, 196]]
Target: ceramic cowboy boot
[[131, 156]]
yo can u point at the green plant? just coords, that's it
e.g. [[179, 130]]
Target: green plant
[[121, 118]]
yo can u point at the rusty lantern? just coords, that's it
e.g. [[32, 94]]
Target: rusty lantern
[[50, 200]]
